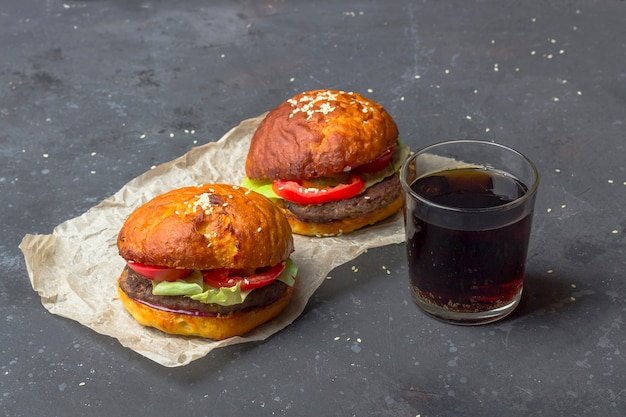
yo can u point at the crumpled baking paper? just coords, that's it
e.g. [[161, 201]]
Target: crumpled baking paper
[[75, 268]]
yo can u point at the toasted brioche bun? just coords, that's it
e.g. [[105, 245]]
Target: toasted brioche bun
[[212, 327], [342, 226], [206, 227], [319, 133]]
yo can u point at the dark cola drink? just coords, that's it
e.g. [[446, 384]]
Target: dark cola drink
[[476, 261]]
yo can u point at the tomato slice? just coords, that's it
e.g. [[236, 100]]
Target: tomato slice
[[158, 273], [294, 191], [222, 277], [377, 164]]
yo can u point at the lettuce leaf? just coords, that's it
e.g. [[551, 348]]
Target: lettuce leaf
[[190, 285], [263, 187], [224, 296], [193, 286], [400, 154], [289, 273]]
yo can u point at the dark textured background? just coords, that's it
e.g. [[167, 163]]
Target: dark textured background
[[94, 93]]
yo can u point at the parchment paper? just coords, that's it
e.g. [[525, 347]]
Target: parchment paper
[[75, 268]]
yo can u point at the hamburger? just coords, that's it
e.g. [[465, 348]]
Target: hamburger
[[329, 160], [209, 261]]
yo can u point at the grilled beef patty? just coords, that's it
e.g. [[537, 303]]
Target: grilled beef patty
[[374, 198], [140, 288]]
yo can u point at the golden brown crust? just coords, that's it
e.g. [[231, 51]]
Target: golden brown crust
[[319, 134], [339, 227], [212, 327], [206, 227]]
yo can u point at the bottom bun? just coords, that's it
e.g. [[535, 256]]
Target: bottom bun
[[211, 327], [342, 226]]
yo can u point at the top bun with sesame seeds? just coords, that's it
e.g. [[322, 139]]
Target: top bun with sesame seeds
[[206, 227], [330, 160], [210, 261], [319, 133]]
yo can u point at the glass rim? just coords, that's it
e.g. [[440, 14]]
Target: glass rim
[[530, 193]]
